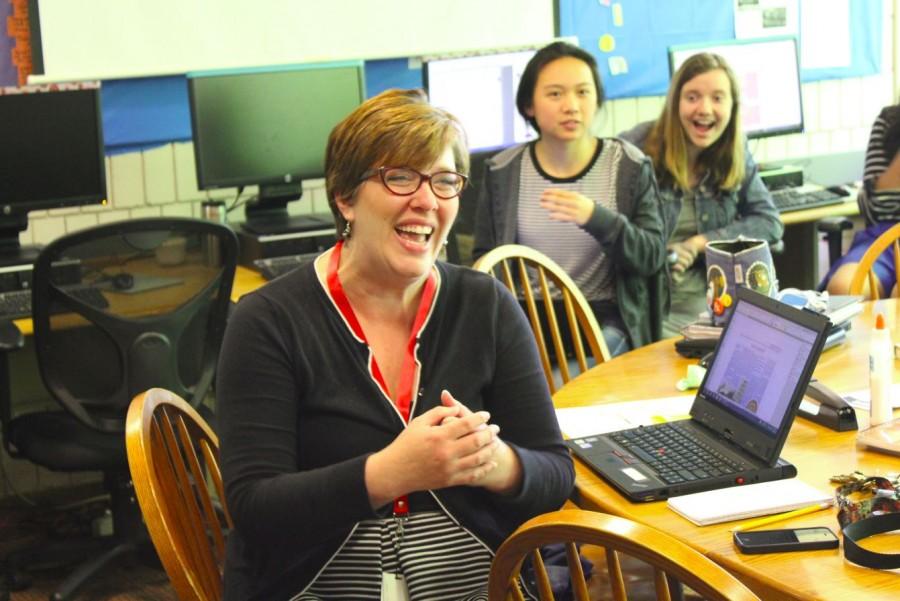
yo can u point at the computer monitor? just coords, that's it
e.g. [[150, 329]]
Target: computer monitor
[[769, 73], [480, 90], [51, 155], [269, 127]]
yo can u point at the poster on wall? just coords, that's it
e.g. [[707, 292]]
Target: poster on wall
[[765, 18], [15, 43]]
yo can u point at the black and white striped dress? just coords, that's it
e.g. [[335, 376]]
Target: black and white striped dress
[[438, 558]]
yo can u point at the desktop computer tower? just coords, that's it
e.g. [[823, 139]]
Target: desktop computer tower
[[261, 246], [19, 277]]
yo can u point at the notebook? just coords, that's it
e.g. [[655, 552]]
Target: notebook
[[764, 498], [739, 418]]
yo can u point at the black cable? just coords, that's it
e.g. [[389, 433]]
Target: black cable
[[236, 203]]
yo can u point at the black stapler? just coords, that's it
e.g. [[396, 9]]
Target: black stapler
[[831, 410]]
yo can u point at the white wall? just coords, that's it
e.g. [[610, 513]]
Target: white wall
[[104, 39]]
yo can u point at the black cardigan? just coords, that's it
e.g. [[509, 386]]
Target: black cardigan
[[299, 413]]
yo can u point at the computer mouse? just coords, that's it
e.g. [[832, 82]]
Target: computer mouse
[[123, 281]]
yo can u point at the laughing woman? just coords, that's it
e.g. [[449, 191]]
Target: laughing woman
[[708, 181], [385, 422]]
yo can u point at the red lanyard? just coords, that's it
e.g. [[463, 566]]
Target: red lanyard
[[407, 388]]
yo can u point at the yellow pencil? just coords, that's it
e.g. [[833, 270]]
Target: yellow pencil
[[771, 519]]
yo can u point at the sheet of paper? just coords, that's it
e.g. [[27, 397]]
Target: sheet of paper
[[860, 398], [826, 34], [765, 18], [576, 422]]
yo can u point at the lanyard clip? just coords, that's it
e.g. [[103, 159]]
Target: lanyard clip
[[401, 514]]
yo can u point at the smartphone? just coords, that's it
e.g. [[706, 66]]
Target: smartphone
[[788, 539]]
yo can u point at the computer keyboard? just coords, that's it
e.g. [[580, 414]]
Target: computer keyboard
[[797, 199], [675, 455], [16, 304], [273, 267]]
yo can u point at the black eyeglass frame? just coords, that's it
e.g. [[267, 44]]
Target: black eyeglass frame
[[380, 171]]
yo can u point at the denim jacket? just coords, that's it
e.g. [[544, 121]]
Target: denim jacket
[[747, 211]]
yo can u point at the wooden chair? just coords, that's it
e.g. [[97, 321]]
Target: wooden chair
[[513, 264], [865, 273], [667, 555], [173, 456]]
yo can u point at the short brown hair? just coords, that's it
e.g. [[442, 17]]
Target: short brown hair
[[397, 128], [667, 143]]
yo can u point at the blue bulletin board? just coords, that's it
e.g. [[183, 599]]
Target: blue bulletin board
[[635, 36], [146, 112]]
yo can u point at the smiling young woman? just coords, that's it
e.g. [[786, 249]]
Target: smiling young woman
[[709, 184], [590, 204]]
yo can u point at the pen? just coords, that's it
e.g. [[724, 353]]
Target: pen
[[782, 516]]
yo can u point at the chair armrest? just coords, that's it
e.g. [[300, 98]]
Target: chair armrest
[[833, 224]]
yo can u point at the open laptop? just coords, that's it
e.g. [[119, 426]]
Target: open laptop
[[739, 419]]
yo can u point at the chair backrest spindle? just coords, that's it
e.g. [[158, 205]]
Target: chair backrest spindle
[[556, 310], [668, 556], [864, 272], [173, 455]]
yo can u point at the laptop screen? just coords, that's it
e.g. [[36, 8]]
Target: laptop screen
[[758, 364]]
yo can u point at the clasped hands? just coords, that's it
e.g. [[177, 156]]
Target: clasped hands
[[446, 446]]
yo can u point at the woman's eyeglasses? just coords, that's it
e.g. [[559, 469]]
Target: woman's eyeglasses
[[404, 181]]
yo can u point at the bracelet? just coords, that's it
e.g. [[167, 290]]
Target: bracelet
[[875, 524]]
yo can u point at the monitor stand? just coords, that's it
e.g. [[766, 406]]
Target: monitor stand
[[268, 214], [11, 251]]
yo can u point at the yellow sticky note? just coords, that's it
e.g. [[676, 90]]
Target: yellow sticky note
[[617, 14], [661, 419], [607, 43]]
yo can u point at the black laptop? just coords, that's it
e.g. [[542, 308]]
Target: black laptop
[[739, 419]]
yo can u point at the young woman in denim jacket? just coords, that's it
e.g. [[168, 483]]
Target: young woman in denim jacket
[[590, 204], [709, 183]]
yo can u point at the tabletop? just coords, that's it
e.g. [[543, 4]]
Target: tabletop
[[651, 372]]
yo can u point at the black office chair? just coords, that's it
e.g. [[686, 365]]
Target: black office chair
[[118, 309]]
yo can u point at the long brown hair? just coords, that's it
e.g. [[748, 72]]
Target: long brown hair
[[667, 143]]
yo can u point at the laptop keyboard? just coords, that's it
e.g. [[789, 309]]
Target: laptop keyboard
[[675, 455]]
